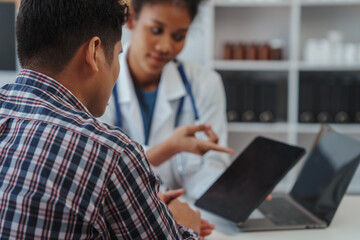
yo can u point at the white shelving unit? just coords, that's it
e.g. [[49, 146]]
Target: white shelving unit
[[293, 21]]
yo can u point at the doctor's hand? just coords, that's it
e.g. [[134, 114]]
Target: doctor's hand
[[184, 140]]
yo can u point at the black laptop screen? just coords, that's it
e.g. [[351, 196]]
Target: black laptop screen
[[326, 175], [253, 175]]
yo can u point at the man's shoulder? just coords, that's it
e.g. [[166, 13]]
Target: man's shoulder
[[110, 137]]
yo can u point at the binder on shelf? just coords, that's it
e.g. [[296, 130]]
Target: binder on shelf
[[341, 99], [323, 86], [356, 100], [248, 108], [233, 88], [265, 100], [306, 108]]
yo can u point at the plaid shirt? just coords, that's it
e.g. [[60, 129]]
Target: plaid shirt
[[64, 175]]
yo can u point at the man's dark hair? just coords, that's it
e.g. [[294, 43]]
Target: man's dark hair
[[49, 32], [191, 5]]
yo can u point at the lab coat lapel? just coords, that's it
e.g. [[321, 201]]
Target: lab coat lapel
[[170, 89], [129, 105]]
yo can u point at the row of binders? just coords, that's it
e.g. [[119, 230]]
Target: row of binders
[[329, 98], [252, 99], [324, 97]]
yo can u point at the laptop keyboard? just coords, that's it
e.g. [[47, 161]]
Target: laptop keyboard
[[282, 213]]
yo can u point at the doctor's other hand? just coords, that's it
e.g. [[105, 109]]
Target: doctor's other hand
[[184, 140]]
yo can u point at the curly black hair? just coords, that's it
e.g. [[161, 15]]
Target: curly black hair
[[191, 5]]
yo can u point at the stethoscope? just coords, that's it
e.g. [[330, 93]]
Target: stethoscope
[[181, 165], [189, 92]]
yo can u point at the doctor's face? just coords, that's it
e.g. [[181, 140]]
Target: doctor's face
[[158, 36]]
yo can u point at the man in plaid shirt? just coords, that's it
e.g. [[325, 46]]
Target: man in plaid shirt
[[63, 174]]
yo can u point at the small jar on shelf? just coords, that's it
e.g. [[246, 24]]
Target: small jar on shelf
[[264, 51]]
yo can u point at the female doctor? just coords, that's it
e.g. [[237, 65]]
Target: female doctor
[[163, 103]]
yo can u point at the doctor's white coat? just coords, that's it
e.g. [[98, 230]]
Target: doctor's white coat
[[209, 97]]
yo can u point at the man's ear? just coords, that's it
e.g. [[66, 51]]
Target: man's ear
[[92, 53], [131, 18]]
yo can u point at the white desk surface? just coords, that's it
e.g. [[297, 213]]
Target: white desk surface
[[344, 226]]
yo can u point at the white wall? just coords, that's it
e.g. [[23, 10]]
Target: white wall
[[7, 76]]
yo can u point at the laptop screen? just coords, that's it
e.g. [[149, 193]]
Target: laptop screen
[[249, 179], [326, 174]]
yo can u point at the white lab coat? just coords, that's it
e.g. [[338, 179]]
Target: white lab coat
[[209, 96]]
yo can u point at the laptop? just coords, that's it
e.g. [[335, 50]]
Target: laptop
[[318, 190], [250, 178]]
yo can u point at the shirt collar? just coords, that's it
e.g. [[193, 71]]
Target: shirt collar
[[50, 85]]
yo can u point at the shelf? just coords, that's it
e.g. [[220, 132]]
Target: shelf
[[258, 127], [328, 67], [251, 65], [283, 127], [313, 128], [252, 3], [328, 2], [243, 65]]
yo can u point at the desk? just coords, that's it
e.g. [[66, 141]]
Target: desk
[[345, 226]]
